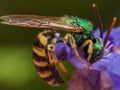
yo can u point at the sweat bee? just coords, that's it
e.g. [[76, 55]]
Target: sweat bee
[[79, 35]]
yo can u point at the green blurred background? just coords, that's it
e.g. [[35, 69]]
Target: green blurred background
[[17, 70]]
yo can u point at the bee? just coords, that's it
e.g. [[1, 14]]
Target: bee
[[79, 34]]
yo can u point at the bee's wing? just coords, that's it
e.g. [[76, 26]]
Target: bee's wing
[[34, 21]]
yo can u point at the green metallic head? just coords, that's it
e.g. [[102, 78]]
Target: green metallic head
[[82, 23]]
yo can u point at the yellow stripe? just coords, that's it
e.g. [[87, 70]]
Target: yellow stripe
[[42, 39], [45, 74], [41, 63], [39, 51]]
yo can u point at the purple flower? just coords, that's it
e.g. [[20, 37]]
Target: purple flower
[[85, 79], [109, 65]]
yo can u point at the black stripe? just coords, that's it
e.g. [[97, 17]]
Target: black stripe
[[42, 69], [37, 43], [49, 33], [39, 58], [58, 78], [52, 75], [55, 74]]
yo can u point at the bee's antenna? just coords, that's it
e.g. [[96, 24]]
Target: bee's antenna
[[98, 19], [109, 30]]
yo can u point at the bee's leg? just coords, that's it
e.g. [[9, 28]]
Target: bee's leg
[[51, 54], [63, 69], [90, 49], [53, 59], [69, 37]]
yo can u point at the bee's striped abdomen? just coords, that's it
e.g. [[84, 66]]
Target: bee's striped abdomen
[[45, 70]]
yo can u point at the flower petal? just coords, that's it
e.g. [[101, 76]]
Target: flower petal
[[85, 79], [115, 35], [60, 51], [63, 51], [106, 82], [110, 63]]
